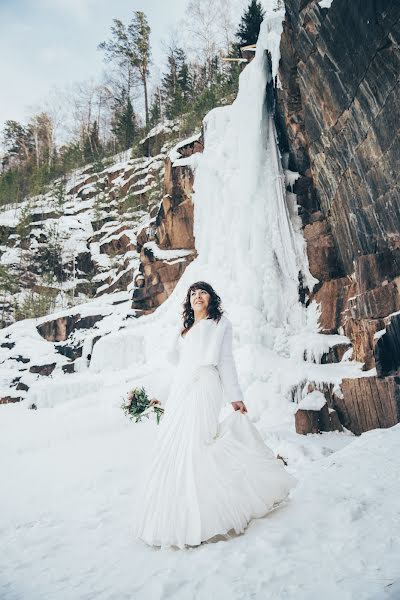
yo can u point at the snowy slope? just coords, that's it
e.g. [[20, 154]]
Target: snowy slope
[[70, 466], [91, 221]]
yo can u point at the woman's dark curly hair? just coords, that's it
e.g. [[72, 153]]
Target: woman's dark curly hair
[[214, 308]]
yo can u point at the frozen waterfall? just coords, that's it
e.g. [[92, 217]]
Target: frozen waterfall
[[250, 247]]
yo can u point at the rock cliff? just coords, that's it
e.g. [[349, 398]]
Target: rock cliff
[[337, 111]]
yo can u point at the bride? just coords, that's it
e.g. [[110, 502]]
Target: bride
[[206, 477]]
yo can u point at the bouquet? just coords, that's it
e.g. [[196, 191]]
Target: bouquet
[[138, 405]]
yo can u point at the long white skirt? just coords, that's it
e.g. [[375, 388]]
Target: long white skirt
[[205, 478]]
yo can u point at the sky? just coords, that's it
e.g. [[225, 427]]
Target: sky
[[48, 43]]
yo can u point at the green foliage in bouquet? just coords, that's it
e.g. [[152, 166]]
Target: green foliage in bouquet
[[138, 406]]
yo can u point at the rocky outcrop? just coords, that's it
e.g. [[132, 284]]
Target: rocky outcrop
[[9, 399], [174, 219], [337, 113], [369, 402], [45, 370], [314, 416], [167, 244], [159, 280], [58, 330]]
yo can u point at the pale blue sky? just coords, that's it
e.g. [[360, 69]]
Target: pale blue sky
[[47, 43]]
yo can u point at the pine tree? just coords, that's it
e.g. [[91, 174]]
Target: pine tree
[[250, 23], [131, 45], [124, 123], [156, 108], [176, 84]]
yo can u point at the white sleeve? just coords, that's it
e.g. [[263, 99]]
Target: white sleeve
[[227, 369], [173, 350]]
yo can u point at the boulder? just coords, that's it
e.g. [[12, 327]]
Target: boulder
[[58, 330], [118, 244], [22, 386], [312, 414], [44, 370], [10, 399], [368, 403]]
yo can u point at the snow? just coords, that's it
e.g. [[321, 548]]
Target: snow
[[313, 401], [325, 3], [70, 467], [379, 333], [11, 256], [166, 126], [190, 161], [312, 345], [174, 154], [162, 254], [340, 520], [10, 217]]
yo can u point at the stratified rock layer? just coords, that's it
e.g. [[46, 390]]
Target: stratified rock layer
[[338, 118]]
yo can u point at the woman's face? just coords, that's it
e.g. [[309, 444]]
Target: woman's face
[[199, 301]]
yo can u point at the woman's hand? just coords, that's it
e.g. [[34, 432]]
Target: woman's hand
[[154, 401], [239, 406]]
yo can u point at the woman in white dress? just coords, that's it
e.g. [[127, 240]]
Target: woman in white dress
[[206, 478]]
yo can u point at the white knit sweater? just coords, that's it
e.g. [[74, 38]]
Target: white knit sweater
[[208, 343]]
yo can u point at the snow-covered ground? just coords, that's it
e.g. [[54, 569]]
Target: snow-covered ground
[[69, 478], [69, 468]]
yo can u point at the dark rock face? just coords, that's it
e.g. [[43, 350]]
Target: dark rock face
[[338, 118], [345, 62]]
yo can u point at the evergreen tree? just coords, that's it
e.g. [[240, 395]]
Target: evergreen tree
[[156, 108], [124, 123], [249, 26], [131, 45], [176, 84]]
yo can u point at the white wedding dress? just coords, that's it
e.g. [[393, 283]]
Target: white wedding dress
[[205, 477]]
